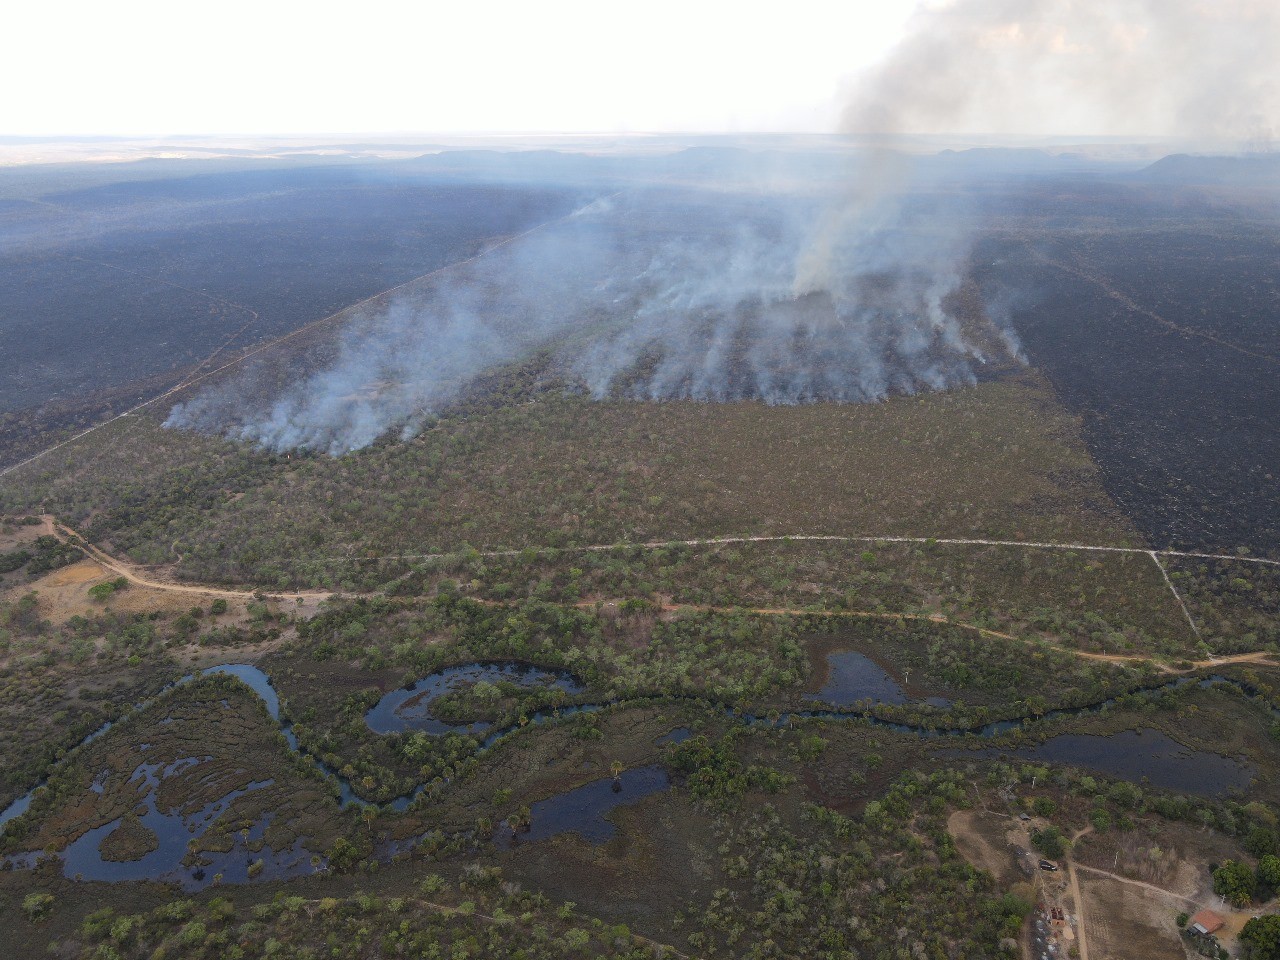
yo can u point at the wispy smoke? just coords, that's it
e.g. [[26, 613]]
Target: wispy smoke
[[652, 296], [793, 312], [397, 365]]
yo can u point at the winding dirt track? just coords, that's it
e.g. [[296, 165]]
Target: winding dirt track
[[134, 575], [130, 572], [1082, 940], [1137, 883], [1259, 656]]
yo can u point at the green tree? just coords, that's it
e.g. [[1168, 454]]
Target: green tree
[[1234, 881], [1050, 842], [1261, 937], [1044, 806], [101, 591], [1261, 841], [1269, 872], [343, 855], [37, 905]]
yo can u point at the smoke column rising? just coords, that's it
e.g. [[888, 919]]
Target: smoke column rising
[[759, 315], [787, 299], [1202, 70]]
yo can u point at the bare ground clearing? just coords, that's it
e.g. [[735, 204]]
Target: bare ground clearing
[[1124, 922], [985, 840]]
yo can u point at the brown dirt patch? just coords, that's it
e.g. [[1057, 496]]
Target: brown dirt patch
[[15, 536], [83, 572], [983, 839], [130, 600], [1125, 922], [64, 593]]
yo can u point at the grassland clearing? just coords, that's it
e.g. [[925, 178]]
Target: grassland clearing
[[983, 839]]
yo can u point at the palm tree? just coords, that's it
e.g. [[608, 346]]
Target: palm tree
[[616, 769]]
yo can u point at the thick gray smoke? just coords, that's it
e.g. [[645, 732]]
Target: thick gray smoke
[[1196, 70], [652, 295], [397, 365]]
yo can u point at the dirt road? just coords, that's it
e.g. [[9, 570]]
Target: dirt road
[[1139, 883], [828, 538], [1259, 656], [1082, 939], [131, 572], [135, 575]]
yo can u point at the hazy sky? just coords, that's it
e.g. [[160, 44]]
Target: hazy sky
[[262, 66], [1188, 68]]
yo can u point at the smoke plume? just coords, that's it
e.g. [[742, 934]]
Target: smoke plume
[[1187, 69], [652, 295], [842, 295]]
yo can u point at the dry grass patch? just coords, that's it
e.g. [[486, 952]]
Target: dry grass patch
[[1124, 922]]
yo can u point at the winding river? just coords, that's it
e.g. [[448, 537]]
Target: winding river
[[1147, 755]]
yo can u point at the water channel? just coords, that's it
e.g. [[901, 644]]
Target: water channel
[[1137, 755]]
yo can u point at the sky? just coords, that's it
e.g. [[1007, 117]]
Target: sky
[[138, 67], [1174, 68]]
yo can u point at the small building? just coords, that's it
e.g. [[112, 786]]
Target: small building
[[1206, 922]]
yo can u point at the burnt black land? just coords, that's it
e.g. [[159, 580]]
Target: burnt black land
[[1156, 315], [111, 292]]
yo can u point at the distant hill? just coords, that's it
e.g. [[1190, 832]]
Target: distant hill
[[1182, 168]]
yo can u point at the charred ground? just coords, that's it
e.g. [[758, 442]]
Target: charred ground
[[1157, 319], [113, 292]]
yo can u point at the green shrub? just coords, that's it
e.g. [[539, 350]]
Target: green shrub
[[37, 906]]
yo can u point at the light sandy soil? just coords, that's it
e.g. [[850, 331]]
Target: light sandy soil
[[86, 573], [64, 593], [1236, 919]]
